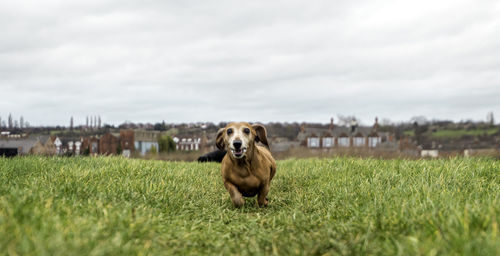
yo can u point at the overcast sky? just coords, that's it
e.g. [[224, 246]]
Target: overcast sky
[[189, 61]]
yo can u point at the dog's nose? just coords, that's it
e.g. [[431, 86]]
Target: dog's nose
[[237, 144]]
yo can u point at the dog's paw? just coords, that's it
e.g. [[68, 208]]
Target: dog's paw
[[263, 204], [238, 202]]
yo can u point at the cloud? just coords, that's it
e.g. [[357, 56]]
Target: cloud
[[182, 61]]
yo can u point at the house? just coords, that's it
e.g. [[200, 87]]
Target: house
[[375, 139], [187, 143], [342, 137], [69, 145], [145, 140], [127, 142], [9, 135], [90, 146], [14, 147], [343, 140], [24, 145], [108, 144], [208, 142], [42, 146], [281, 144], [78, 149], [359, 139], [48, 143], [57, 143], [429, 153]]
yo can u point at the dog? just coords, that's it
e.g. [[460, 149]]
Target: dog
[[247, 167], [214, 156]]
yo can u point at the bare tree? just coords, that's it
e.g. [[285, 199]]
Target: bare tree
[[490, 118], [385, 122], [347, 120], [421, 120], [10, 121]]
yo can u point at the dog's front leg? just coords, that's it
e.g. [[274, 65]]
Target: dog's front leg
[[261, 199], [235, 194]]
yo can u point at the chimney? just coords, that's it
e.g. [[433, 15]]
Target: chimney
[[331, 124], [375, 126], [354, 126]]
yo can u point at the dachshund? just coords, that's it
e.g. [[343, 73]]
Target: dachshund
[[248, 166]]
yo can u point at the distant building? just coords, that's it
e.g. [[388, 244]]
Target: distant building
[[72, 145], [42, 146], [24, 145], [281, 144], [90, 145], [313, 141], [343, 140], [127, 142], [342, 137], [14, 147], [429, 153], [359, 139], [374, 139], [50, 148], [9, 135], [58, 144], [187, 143], [108, 144], [145, 140]]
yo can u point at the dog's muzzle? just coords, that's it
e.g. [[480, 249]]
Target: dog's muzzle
[[238, 148], [238, 153]]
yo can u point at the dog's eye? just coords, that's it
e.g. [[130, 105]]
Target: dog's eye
[[229, 131], [246, 131]]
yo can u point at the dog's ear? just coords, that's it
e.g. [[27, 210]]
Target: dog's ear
[[261, 132], [219, 141]]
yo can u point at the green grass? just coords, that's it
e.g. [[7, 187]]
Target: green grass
[[115, 206], [456, 134], [410, 133]]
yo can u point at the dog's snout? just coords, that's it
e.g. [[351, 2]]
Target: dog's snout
[[237, 144]]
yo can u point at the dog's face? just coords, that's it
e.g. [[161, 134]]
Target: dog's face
[[239, 138]]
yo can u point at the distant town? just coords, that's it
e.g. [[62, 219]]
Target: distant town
[[343, 135]]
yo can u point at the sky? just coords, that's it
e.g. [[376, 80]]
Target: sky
[[212, 61]]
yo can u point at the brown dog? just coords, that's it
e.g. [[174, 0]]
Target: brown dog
[[247, 168]]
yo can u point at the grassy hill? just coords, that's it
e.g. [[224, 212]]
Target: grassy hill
[[456, 134], [103, 206]]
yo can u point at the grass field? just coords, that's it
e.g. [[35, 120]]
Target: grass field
[[456, 134], [116, 206]]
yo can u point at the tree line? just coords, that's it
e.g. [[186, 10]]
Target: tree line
[[12, 123]]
